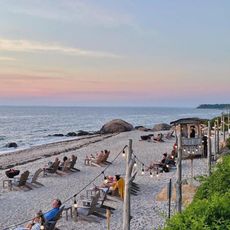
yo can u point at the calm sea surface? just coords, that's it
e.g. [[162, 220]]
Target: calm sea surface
[[29, 126]]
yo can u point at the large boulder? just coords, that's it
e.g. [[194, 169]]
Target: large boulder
[[83, 133], [116, 126], [71, 134], [161, 127], [12, 145]]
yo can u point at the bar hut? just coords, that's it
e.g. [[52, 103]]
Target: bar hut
[[192, 138], [189, 146]]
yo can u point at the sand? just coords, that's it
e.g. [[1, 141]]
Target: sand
[[147, 212]]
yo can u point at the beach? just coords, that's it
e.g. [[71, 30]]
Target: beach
[[146, 211]]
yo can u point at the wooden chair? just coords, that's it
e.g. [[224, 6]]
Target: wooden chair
[[53, 168], [98, 161], [102, 198], [72, 164], [89, 207], [105, 158], [65, 167], [33, 180], [20, 183]]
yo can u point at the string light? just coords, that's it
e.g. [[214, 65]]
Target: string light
[[135, 164], [74, 202], [123, 153], [151, 175], [157, 172], [143, 170], [42, 227], [184, 150]]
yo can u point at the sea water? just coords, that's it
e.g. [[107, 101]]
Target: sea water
[[30, 126]]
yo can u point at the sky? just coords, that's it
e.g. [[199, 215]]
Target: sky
[[114, 53]]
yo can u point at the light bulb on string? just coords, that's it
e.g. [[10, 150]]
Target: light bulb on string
[[135, 164], [157, 172], [42, 227], [143, 170], [151, 174], [123, 153], [74, 202]]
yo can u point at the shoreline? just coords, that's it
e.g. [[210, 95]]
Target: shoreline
[[37, 152]]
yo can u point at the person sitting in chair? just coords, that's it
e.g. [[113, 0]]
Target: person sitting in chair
[[48, 216], [119, 185]]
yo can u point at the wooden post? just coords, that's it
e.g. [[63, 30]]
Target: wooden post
[[209, 149], [169, 197], [191, 168], [108, 216], [179, 174], [223, 127], [215, 141], [126, 207], [217, 138], [228, 124]]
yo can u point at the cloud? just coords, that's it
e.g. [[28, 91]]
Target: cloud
[[75, 11], [7, 59], [33, 46]]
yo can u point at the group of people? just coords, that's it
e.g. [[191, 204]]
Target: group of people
[[100, 157], [166, 162], [113, 185], [61, 165]]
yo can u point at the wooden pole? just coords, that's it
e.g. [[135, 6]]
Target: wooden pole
[[108, 216], [217, 138], [223, 126], [209, 149], [169, 197], [191, 168], [228, 124], [179, 174], [126, 207]]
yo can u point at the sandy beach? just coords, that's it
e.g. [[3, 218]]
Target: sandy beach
[[147, 212]]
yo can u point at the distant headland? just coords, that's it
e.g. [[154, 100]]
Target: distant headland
[[214, 106]]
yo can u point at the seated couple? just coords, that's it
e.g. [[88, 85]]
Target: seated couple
[[98, 159], [35, 224], [165, 163], [113, 185]]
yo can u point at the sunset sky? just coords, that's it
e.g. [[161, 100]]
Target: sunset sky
[[114, 53]]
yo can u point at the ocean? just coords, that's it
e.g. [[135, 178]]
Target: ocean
[[30, 126]]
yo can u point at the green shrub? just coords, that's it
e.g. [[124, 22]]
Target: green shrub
[[210, 208]]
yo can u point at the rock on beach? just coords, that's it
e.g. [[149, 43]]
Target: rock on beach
[[116, 126]]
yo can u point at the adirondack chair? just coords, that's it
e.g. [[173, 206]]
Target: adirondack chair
[[50, 225], [102, 198], [65, 167], [98, 161], [72, 164], [52, 169], [105, 158], [18, 183], [33, 180], [89, 207]]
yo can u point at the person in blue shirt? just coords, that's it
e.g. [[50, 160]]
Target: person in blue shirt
[[48, 216]]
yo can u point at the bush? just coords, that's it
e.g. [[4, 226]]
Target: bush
[[210, 208]]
